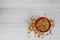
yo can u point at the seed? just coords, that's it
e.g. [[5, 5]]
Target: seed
[[38, 35], [28, 32], [47, 34]]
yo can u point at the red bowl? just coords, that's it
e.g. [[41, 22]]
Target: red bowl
[[41, 18]]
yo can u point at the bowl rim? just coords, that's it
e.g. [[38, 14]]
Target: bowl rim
[[40, 18]]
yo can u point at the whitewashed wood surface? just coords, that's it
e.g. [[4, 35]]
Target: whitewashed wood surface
[[14, 15]]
